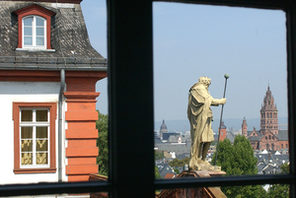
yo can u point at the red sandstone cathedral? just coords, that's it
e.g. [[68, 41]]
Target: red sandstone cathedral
[[269, 137]]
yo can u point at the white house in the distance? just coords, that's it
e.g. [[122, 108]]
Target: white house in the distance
[[48, 72]]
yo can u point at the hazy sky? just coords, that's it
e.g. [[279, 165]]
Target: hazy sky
[[196, 40]]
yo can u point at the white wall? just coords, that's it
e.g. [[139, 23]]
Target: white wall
[[23, 92]]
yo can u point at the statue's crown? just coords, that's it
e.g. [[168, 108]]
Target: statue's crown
[[204, 80]]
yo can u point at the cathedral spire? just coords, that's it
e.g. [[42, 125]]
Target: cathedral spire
[[244, 127]]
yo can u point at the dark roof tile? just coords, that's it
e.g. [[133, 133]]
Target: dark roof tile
[[254, 138], [69, 39]]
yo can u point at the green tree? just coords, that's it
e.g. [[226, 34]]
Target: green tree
[[285, 168], [280, 190], [238, 159], [158, 155], [102, 143], [256, 191], [179, 162], [157, 175]]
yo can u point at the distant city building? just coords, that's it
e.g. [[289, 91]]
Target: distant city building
[[157, 139], [172, 142], [164, 169], [170, 137], [269, 137], [270, 163], [178, 149]]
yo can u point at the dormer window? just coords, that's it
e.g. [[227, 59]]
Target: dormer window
[[34, 28], [34, 33]]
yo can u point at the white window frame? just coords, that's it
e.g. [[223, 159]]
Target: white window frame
[[34, 37], [34, 124]]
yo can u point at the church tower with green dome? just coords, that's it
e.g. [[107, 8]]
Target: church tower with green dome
[[163, 129]]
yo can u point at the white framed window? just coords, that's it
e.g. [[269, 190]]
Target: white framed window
[[34, 32], [34, 129]]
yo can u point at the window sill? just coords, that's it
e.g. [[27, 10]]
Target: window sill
[[34, 170], [34, 50]]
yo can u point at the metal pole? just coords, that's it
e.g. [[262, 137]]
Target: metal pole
[[226, 76], [60, 123]]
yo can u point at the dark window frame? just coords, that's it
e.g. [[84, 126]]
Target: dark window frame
[[130, 90]]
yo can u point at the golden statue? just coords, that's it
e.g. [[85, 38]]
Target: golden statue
[[200, 117]]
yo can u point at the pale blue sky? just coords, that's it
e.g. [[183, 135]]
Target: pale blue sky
[[94, 12], [197, 40]]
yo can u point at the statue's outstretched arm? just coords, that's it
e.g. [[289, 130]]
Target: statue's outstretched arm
[[216, 102]]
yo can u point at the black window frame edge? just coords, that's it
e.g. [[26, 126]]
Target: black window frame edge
[[130, 92], [53, 188]]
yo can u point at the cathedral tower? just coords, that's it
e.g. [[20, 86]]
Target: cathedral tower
[[163, 129], [223, 132], [244, 128], [269, 114]]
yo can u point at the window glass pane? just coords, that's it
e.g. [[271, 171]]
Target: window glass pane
[[41, 145], [39, 21], [26, 132], [41, 115], [42, 158], [34, 140], [28, 40], [26, 145], [40, 31], [41, 132], [28, 31], [40, 40], [28, 21], [249, 45], [26, 158], [26, 115], [258, 191]]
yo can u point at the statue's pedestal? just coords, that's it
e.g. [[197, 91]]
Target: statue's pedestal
[[203, 192], [193, 173]]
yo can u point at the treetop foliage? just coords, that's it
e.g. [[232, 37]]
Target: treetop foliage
[[158, 155], [179, 162], [236, 159], [102, 143]]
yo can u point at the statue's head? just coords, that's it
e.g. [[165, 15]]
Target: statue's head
[[205, 81]]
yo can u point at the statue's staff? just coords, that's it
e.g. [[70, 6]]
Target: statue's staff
[[226, 76]]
